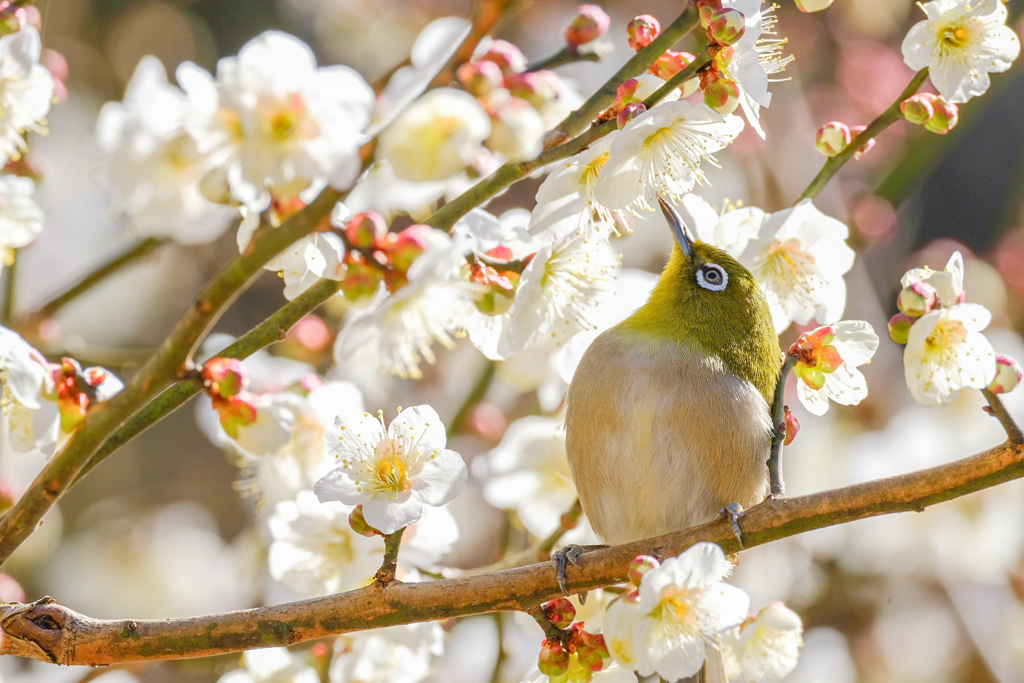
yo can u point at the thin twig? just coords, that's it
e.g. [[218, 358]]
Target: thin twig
[[386, 573], [778, 487], [53, 633], [881, 122], [567, 55], [125, 258], [997, 409], [10, 284]]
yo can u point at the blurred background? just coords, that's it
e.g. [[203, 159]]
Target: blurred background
[[160, 530]]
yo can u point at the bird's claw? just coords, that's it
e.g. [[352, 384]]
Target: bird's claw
[[733, 511], [570, 554]]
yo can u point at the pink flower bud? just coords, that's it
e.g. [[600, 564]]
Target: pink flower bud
[[359, 524], [866, 147], [832, 138], [536, 87], [670, 63], [792, 427], [311, 332], [945, 117], [917, 109], [361, 280], [591, 651], [899, 327], [480, 78], [364, 229], [499, 293], [12, 18], [628, 113], [404, 247], [225, 377], [1008, 375], [720, 93], [507, 56], [917, 299], [553, 659], [640, 566], [812, 5], [501, 253], [560, 612], [236, 411], [708, 9], [642, 30], [726, 26], [394, 280], [590, 23]]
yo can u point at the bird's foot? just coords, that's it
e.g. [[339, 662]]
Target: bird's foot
[[733, 512], [570, 554]]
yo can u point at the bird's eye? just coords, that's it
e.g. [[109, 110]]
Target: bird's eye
[[712, 276]]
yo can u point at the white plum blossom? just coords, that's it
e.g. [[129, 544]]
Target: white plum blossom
[[315, 552], [827, 364], [402, 326], [566, 199], [274, 121], [528, 472], [948, 282], [30, 420], [26, 91], [660, 152], [430, 539], [683, 606], [397, 654], [436, 137], [394, 471], [766, 646], [755, 58], [153, 166], [516, 127], [272, 665], [731, 230], [612, 673], [961, 42], [799, 257], [21, 219], [947, 352]]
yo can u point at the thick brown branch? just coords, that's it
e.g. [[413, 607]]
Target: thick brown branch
[[49, 632]]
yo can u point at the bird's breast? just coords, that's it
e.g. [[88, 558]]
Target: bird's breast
[[660, 436]]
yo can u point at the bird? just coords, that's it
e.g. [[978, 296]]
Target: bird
[[668, 415]]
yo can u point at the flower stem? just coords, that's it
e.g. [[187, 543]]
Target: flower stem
[[386, 573], [778, 487], [997, 409], [10, 280], [566, 55], [551, 632], [476, 394], [125, 258], [881, 122]]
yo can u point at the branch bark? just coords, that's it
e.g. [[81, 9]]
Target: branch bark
[[50, 632]]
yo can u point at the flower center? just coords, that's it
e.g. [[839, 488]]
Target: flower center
[[942, 342], [593, 169], [954, 37], [391, 473]]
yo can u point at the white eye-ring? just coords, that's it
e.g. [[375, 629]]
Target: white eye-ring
[[712, 276]]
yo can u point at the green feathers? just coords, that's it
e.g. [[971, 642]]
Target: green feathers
[[713, 303]]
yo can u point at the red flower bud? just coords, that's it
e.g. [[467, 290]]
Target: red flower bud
[[225, 377], [553, 659], [590, 23], [642, 30], [720, 93], [832, 138], [628, 113], [560, 612], [866, 147], [480, 78], [591, 651], [405, 247], [945, 117], [359, 525], [726, 26], [640, 566], [364, 229], [899, 327], [506, 55], [792, 426], [917, 109], [236, 411], [361, 280]]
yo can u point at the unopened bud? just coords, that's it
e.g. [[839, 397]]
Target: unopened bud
[[812, 5], [12, 19], [364, 229], [708, 9], [404, 247], [500, 253], [359, 524], [642, 30], [945, 116], [590, 23], [720, 93], [792, 426], [899, 327], [1008, 375], [236, 411], [507, 56], [225, 377], [536, 87], [726, 26], [591, 651], [628, 113], [917, 109], [361, 280], [499, 293], [560, 612], [917, 298], [866, 147], [394, 280], [480, 78], [832, 138], [640, 566], [669, 64], [553, 659]]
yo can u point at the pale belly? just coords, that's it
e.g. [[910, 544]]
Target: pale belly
[[660, 438]]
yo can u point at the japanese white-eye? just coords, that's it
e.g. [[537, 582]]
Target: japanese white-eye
[[668, 414]]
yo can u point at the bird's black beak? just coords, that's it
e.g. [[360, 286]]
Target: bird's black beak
[[679, 229]]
